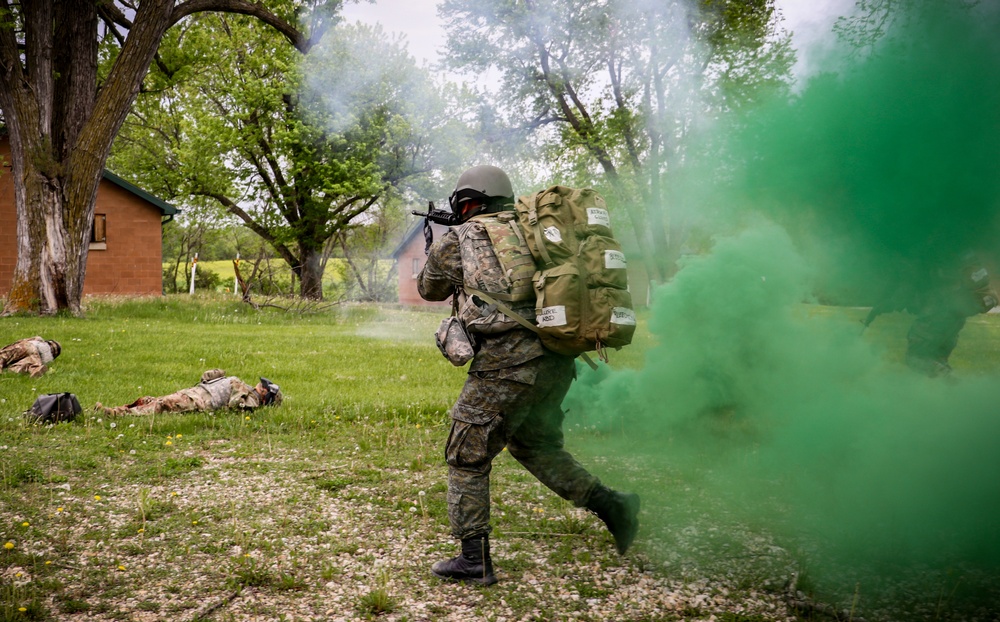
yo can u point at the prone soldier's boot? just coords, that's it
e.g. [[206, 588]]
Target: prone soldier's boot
[[619, 511], [473, 565]]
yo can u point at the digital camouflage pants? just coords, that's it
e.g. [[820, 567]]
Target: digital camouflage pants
[[518, 408], [194, 399], [932, 338]]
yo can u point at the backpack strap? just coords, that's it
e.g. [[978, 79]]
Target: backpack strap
[[539, 238], [520, 320]]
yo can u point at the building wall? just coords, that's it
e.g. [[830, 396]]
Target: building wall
[[411, 259], [130, 261]]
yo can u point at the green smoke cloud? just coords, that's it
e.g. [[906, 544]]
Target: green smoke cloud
[[761, 410]]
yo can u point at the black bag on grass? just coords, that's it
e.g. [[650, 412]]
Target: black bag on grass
[[53, 408]]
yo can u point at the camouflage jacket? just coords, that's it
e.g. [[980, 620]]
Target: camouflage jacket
[[216, 391], [27, 356], [443, 275]]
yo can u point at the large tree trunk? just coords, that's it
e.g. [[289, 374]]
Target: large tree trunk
[[311, 274], [61, 132], [61, 126], [47, 276]]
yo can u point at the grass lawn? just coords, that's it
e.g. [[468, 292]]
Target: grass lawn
[[329, 507]]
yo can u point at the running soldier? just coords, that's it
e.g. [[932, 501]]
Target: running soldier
[[513, 394], [29, 356], [956, 295], [216, 391]]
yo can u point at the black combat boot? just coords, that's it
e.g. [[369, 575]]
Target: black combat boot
[[619, 511], [473, 565]]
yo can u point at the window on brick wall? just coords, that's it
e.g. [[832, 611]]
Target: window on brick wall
[[99, 233], [416, 268]]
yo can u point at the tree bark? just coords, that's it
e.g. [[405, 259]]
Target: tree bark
[[61, 128], [311, 274]]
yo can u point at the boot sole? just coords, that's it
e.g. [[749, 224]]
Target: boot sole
[[483, 581]]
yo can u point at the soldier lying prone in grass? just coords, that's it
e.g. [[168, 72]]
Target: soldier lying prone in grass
[[216, 391]]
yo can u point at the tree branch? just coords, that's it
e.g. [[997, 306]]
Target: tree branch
[[243, 7]]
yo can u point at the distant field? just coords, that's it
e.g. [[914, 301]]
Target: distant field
[[334, 273], [224, 268]]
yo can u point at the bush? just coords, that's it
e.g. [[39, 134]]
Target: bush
[[206, 279]]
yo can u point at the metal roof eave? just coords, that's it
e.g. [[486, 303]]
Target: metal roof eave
[[166, 208]]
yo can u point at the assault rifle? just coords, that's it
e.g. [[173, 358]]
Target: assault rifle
[[440, 216]]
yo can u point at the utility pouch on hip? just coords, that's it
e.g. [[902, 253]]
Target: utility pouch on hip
[[454, 342]]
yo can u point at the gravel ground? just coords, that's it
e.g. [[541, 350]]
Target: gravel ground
[[300, 536], [269, 540]]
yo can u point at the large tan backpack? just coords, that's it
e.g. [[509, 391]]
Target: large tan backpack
[[581, 285]]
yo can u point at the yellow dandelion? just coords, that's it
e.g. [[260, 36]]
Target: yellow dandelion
[[177, 436], [194, 522], [58, 510], [169, 437], [246, 555], [141, 530], [173, 494], [97, 497], [170, 443], [18, 574], [26, 524], [248, 417], [8, 545], [48, 562], [120, 567], [22, 609], [418, 426]]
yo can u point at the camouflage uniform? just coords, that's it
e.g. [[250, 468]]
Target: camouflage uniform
[[27, 356], [934, 333], [214, 392], [511, 398]]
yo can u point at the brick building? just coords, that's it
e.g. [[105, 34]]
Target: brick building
[[126, 249], [410, 259]]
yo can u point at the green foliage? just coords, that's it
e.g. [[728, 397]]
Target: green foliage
[[18, 603], [22, 474], [318, 140], [376, 602], [206, 279], [625, 84]]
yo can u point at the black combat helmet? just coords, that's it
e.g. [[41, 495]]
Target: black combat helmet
[[55, 347], [481, 182]]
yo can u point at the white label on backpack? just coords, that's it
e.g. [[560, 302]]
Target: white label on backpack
[[552, 235], [623, 315], [614, 260], [598, 216], [552, 316]]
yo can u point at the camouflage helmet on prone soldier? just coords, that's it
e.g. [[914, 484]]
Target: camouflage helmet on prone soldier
[[485, 182], [271, 393]]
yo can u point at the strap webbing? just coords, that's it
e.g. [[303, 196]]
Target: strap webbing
[[539, 237], [520, 320]]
